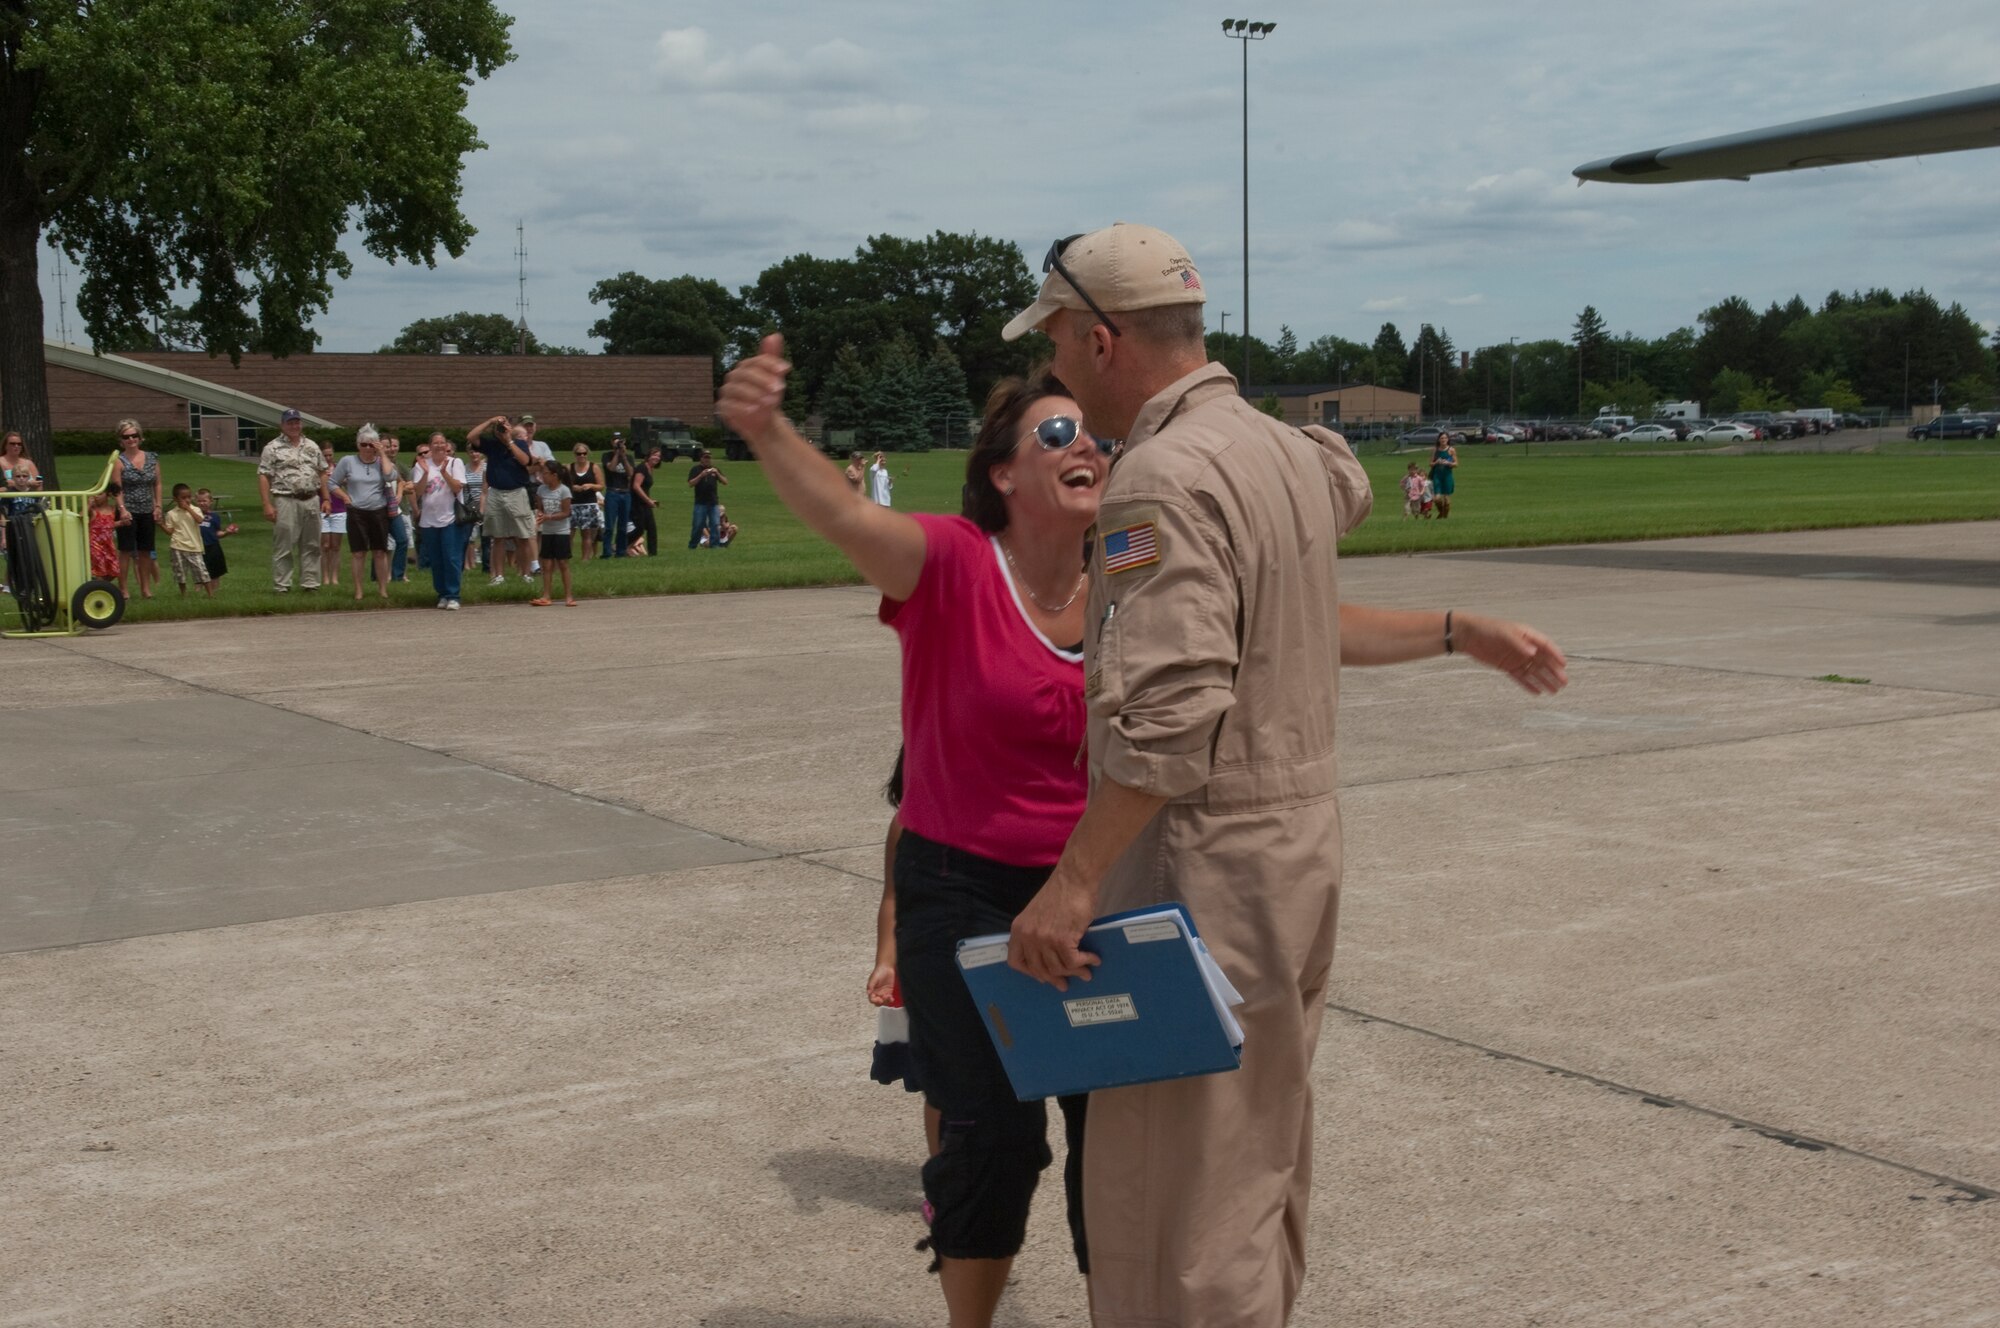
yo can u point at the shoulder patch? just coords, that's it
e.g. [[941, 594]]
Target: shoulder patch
[[1130, 547]]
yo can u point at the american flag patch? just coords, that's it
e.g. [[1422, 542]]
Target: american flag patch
[[1133, 546], [1190, 281]]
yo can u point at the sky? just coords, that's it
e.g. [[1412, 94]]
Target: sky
[[1407, 163]]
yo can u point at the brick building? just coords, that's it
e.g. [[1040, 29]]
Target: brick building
[[409, 391]]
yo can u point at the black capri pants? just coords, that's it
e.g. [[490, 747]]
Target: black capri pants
[[993, 1148]]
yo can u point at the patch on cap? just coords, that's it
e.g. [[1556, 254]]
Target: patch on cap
[[288, 416]]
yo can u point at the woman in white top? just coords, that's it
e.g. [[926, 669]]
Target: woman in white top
[[436, 481]]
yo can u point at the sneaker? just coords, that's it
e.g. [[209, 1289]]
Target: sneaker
[[534, 569], [499, 579], [441, 603], [451, 604], [281, 590]]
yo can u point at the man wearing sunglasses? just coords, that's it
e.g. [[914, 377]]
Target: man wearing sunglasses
[[1212, 641]]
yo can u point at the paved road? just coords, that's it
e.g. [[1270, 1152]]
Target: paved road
[[488, 968]]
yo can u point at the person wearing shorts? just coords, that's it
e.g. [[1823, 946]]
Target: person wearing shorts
[[366, 482], [586, 486], [510, 516], [553, 506]]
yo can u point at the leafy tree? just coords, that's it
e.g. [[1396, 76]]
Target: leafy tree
[[1391, 356], [1727, 390], [1332, 359], [963, 288], [1765, 396], [1627, 396], [680, 316], [473, 334], [1728, 340], [223, 150], [172, 329], [1545, 378], [1271, 406], [1974, 390], [1823, 388], [1226, 349]]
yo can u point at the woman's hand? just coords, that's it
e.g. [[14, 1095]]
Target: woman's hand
[[882, 984], [754, 393]]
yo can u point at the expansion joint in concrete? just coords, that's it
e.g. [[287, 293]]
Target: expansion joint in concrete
[[1969, 1191]]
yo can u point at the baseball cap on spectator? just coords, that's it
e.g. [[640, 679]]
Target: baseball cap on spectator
[[1123, 266], [527, 419], [288, 416]]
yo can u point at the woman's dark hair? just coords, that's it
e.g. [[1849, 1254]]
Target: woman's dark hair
[[1005, 404], [893, 790]]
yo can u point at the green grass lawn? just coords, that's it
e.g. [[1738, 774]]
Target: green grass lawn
[[1506, 497]]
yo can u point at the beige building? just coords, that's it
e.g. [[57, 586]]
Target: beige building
[[1335, 404]]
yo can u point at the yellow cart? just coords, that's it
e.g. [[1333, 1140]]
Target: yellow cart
[[48, 562]]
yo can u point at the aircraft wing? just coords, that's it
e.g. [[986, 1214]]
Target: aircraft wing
[[1951, 122]]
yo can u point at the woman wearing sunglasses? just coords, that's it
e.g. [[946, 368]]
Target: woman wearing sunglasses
[[989, 607]]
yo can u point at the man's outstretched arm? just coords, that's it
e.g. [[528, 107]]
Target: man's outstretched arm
[[1393, 636]]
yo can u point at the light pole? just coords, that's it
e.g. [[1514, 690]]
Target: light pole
[[1245, 31], [1513, 356], [1225, 322]]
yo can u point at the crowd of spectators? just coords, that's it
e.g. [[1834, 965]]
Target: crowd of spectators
[[503, 507]]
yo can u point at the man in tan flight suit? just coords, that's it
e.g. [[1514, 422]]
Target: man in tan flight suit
[[1210, 675], [291, 479]]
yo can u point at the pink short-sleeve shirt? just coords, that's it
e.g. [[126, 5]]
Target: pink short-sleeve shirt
[[993, 714]]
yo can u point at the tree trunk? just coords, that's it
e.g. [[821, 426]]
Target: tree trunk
[[24, 384]]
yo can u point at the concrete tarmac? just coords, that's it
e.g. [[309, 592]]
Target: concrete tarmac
[[505, 968]]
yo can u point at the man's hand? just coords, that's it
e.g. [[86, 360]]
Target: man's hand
[[882, 984], [754, 393], [270, 513], [1512, 648], [1046, 935]]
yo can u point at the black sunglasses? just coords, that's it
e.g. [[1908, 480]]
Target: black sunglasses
[[1058, 431], [1053, 262]]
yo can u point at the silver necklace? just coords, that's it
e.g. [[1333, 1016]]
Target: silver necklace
[[1028, 590]]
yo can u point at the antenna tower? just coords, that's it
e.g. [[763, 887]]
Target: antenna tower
[[62, 300], [521, 288]]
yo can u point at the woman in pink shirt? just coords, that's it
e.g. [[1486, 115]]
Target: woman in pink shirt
[[989, 607]]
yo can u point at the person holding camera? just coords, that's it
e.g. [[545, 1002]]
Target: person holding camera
[[703, 478], [617, 498]]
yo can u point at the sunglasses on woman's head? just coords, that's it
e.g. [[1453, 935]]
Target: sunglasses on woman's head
[[1058, 431]]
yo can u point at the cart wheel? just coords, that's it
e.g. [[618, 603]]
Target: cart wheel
[[97, 604]]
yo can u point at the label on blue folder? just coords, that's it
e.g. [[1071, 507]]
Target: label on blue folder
[[1099, 1010]]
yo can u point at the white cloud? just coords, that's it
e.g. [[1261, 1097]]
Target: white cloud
[[1464, 301], [1391, 304], [899, 120], [688, 59]]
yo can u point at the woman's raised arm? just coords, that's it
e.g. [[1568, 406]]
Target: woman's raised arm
[[885, 546]]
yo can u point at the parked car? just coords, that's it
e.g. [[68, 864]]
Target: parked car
[[1646, 433], [1680, 426], [1727, 431], [1954, 426]]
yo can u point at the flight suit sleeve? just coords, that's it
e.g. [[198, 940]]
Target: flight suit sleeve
[[1353, 498], [1165, 667]]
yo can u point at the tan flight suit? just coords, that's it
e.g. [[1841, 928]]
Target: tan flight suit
[[296, 473], [1211, 676]]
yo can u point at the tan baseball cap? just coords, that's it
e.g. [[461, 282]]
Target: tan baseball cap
[[1124, 266]]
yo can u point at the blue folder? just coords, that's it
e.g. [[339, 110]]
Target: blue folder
[[1149, 1012]]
